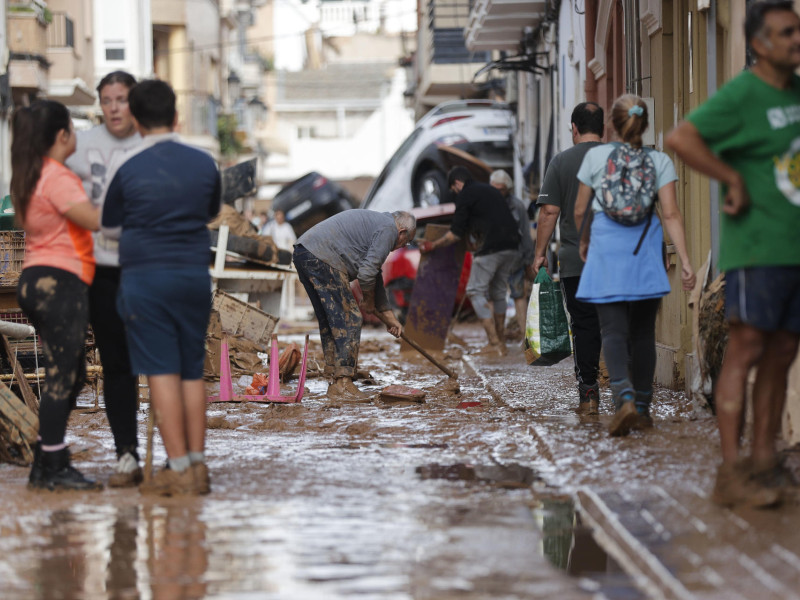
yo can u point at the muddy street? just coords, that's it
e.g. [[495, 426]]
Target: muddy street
[[485, 493]]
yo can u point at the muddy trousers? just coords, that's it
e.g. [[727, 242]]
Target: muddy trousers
[[488, 282], [336, 309], [57, 305], [120, 385], [585, 326], [629, 342]]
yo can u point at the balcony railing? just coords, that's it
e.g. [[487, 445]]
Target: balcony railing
[[61, 31], [446, 22]]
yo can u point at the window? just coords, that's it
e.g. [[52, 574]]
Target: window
[[113, 53]]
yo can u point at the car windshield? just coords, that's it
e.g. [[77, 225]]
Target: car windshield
[[396, 157], [403, 149]]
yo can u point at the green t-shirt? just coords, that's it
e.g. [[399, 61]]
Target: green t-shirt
[[755, 128]]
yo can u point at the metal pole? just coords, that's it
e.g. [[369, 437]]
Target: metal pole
[[711, 83]]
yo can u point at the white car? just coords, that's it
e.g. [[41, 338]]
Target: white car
[[416, 175]]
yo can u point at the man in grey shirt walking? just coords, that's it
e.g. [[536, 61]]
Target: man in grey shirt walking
[[557, 198], [348, 246]]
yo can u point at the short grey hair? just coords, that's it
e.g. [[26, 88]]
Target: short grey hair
[[502, 178], [407, 221]]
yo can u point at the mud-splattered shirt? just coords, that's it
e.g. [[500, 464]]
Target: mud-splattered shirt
[[51, 240], [97, 150], [357, 242]]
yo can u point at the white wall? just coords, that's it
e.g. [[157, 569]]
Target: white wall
[[291, 19], [571, 69], [388, 16], [128, 23], [363, 154]]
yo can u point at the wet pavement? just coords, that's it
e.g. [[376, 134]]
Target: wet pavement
[[506, 499]]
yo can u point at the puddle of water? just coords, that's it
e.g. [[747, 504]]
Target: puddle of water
[[570, 546], [505, 476]]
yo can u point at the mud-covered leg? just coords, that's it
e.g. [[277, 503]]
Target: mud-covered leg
[[56, 303]]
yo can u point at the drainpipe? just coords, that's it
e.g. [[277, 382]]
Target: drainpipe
[[590, 85], [711, 83], [632, 46]]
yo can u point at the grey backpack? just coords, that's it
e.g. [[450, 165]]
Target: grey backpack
[[628, 191]]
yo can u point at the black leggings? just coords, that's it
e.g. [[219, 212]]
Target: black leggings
[[57, 305], [120, 385], [629, 341]]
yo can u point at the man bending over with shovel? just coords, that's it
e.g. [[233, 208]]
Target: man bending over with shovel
[[350, 245]]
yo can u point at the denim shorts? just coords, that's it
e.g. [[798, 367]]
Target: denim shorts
[[516, 283], [766, 298], [166, 315]]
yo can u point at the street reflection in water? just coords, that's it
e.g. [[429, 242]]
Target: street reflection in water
[[130, 552]]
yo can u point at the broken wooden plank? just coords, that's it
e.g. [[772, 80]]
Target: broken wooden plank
[[18, 414], [31, 400]]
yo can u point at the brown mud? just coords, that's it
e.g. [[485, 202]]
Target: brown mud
[[463, 496]]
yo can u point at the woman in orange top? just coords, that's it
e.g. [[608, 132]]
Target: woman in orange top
[[57, 216]]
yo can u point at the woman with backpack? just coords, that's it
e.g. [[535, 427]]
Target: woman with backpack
[[625, 272], [53, 289]]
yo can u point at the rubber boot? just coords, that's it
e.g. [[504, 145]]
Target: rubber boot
[[737, 486], [59, 474], [494, 347], [588, 399], [624, 402], [35, 477], [642, 402], [345, 390]]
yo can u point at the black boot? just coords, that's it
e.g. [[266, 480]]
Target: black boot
[[35, 477], [643, 401], [58, 474], [588, 399]]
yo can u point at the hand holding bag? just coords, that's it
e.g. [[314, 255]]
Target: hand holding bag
[[547, 339]]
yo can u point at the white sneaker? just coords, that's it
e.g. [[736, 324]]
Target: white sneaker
[[127, 473]]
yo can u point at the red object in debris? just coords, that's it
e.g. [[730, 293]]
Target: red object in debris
[[468, 404]]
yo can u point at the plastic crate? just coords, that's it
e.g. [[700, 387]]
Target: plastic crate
[[239, 318], [12, 255]]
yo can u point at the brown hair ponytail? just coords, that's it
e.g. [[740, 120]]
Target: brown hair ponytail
[[630, 119], [34, 129]]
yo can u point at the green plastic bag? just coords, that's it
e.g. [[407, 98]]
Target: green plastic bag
[[547, 339], [7, 214]]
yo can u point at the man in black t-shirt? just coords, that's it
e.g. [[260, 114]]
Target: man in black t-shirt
[[480, 208], [557, 202]]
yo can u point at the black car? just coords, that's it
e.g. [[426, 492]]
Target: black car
[[311, 199]]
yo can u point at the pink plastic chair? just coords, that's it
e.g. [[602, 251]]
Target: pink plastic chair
[[273, 385]]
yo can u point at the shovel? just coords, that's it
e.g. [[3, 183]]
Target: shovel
[[449, 372]]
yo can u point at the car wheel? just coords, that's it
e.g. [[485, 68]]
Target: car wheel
[[431, 189]]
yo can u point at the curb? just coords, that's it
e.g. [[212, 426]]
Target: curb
[[650, 575], [647, 571]]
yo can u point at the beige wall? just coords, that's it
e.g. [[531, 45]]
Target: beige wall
[[168, 12], [26, 34], [69, 63]]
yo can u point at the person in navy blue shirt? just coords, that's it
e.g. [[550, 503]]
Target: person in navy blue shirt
[[158, 203]]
